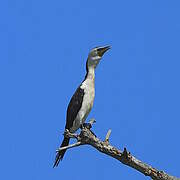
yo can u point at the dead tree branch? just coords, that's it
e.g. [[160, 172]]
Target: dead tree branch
[[86, 136]]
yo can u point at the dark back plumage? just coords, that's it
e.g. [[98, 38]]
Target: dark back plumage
[[74, 107], [72, 111]]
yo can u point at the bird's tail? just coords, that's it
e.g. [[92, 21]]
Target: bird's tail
[[60, 154]]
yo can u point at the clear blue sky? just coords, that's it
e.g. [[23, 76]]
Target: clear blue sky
[[44, 46]]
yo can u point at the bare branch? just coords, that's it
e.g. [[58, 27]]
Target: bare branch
[[86, 136], [69, 146]]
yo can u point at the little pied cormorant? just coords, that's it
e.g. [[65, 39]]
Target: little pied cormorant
[[82, 101]]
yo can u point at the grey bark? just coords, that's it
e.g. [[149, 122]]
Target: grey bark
[[86, 136]]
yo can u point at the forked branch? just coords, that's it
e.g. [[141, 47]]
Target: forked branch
[[86, 136]]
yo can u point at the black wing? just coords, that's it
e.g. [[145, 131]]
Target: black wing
[[74, 107]]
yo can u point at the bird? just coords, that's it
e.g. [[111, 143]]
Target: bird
[[82, 101]]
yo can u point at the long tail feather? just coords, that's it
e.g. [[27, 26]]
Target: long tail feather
[[60, 154]]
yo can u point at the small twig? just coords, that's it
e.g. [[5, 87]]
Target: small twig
[[125, 153], [70, 146], [107, 136]]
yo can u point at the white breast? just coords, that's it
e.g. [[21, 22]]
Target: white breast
[[88, 100]]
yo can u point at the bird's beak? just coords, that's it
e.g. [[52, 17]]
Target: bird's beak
[[102, 50]]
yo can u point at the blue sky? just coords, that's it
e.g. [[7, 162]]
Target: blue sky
[[44, 46]]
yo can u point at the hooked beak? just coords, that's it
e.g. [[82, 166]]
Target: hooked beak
[[102, 50]]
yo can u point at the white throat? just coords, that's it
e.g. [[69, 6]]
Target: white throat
[[91, 73]]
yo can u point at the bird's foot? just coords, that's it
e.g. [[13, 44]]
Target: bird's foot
[[86, 125], [89, 124], [70, 135]]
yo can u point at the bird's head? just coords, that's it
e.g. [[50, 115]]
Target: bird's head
[[95, 56]]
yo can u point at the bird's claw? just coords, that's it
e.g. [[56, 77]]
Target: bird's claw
[[89, 124], [86, 125], [68, 134]]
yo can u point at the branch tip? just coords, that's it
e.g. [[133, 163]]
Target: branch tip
[[69, 146], [107, 136]]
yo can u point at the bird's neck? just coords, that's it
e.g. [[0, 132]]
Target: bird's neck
[[90, 74]]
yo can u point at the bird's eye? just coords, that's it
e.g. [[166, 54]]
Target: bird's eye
[[99, 52]]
